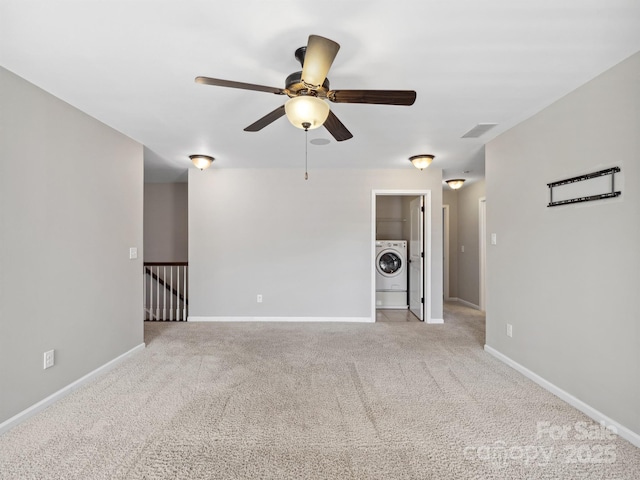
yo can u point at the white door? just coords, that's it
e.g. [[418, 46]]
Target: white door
[[416, 257]]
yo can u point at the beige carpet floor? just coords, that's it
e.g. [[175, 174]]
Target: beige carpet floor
[[390, 400]]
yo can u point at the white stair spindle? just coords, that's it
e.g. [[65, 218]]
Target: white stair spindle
[[157, 292], [164, 293], [184, 301], [150, 293], [171, 290], [178, 295], [144, 292]]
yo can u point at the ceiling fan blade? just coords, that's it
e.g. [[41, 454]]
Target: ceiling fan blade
[[336, 128], [379, 97], [266, 120], [318, 59], [245, 86]]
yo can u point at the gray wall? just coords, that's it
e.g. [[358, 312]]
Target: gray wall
[[165, 222], [450, 198], [70, 208], [468, 288], [306, 246], [464, 267], [393, 217], [390, 218], [567, 278]]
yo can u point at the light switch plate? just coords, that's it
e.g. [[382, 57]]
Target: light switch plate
[[133, 253]]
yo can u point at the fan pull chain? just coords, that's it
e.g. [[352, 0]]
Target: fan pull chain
[[306, 149]]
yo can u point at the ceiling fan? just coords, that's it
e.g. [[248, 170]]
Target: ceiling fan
[[309, 89]]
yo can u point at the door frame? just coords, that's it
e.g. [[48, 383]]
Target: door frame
[[426, 282], [445, 251], [482, 230], [418, 266]]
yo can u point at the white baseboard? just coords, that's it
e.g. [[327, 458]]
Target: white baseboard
[[435, 320], [464, 302], [588, 410], [63, 392], [282, 319]]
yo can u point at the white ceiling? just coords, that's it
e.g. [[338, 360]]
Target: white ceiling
[[131, 64]]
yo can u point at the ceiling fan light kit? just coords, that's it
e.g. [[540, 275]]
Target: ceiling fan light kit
[[309, 89], [421, 161], [455, 183], [306, 110], [202, 161]]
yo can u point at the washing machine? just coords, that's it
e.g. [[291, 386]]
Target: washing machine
[[391, 274]]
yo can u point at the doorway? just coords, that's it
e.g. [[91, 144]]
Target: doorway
[[417, 233]]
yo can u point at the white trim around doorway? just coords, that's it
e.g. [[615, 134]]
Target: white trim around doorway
[[482, 229], [427, 283], [445, 251]]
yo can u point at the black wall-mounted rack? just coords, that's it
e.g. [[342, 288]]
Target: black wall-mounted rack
[[588, 176]]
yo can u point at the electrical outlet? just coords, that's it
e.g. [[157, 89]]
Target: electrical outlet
[[259, 298], [494, 239], [133, 253], [462, 249], [48, 359], [509, 330]]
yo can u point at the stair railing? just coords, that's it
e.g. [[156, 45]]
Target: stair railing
[[165, 291]]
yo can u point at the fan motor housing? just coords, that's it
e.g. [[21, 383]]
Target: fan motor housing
[[295, 87]]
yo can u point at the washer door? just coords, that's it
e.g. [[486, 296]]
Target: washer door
[[388, 263]]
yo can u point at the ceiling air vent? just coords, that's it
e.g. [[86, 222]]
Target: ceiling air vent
[[479, 130]]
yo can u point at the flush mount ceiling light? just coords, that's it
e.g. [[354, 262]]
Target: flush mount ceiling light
[[306, 111], [201, 161], [455, 183], [421, 161]]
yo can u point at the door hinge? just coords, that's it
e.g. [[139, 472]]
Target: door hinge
[[421, 254], [422, 209], [421, 299]]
